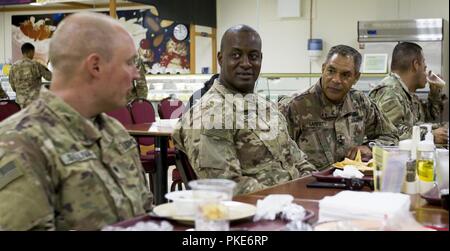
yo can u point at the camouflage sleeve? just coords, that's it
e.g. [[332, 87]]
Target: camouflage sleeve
[[302, 164], [392, 108], [217, 158], [435, 105], [44, 72], [379, 127], [24, 193], [285, 108]]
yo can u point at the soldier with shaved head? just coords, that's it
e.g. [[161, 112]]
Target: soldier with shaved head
[[232, 133], [65, 164]]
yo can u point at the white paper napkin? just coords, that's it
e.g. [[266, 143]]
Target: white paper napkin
[[352, 205], [271, 205]]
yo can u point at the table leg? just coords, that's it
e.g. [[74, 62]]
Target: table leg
[[161, 170]]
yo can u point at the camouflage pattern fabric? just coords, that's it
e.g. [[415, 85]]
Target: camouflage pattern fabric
[[25, 79], [255, 157], [404, 108], [60, 171], [326, 132], [140, 88]]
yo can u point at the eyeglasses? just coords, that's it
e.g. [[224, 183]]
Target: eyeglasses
[[358, 184]]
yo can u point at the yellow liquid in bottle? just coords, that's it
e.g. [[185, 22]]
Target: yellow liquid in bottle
[[425, 170]]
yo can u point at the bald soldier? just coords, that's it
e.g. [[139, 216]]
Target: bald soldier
[[232, 133], [65, 164], [396, 94], [330, 120], [26, 76]]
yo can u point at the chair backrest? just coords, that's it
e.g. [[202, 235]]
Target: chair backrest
[[8, 108], [184, 167], [142, 112], [122, 114], [170, 108]]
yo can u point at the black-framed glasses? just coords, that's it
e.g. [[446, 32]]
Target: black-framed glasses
[[358, 184]]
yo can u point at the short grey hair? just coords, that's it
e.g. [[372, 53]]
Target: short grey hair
[[345, 50]]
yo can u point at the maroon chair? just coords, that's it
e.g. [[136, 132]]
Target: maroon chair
[[142, 112], [170, 108], [8, 108], [184, 168], [122, 114]]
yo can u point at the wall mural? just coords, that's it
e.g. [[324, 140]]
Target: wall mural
[[161, 51]]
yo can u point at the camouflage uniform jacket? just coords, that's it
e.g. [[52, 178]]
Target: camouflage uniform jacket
[[255, 157], [326, 132], [403, 107], [60, 171], [140, 88], [25, 79]]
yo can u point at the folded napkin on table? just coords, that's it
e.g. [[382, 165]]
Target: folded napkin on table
[[272, 205], [352, 205]]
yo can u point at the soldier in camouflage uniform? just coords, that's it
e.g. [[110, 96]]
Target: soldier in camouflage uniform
[[255, 157], [140, 88], [25, 76], [64, 164], [331, 121], [396, 97]]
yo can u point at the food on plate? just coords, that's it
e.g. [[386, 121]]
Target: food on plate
[[214, 211], [357, 162]]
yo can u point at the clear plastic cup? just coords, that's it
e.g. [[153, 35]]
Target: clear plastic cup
[[434, 79], [211, 212], [442, 169]]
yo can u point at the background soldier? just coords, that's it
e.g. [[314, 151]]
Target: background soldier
[[396, 97], [25, 76], [140, 88]]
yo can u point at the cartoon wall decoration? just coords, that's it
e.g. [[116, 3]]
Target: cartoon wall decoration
[[160, 43]]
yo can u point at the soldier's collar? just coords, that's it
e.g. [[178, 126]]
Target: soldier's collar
[[399, 79], [79, 126]]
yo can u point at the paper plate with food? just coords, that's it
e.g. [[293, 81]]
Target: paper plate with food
[[340, 171], [365, 167]]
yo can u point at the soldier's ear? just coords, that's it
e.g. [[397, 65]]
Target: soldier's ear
[[219, 58], [357, 75], [92, 64], [415, 65]]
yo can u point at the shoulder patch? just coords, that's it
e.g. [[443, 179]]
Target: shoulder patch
[[8, 173]]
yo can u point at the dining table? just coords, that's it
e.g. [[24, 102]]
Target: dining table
[[162, 133], [428, 215]]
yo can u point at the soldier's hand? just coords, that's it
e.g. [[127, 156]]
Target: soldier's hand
[[440, 135], [366, 153]]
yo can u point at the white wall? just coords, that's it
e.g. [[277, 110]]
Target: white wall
[[334, 21]]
